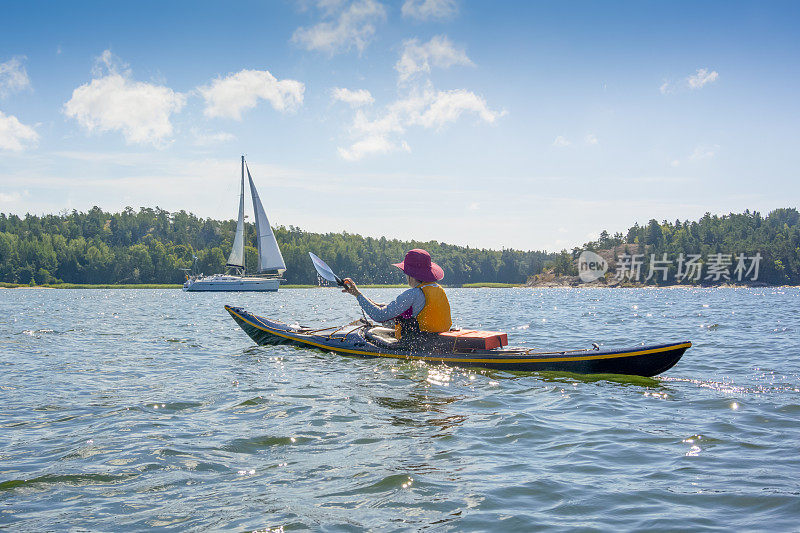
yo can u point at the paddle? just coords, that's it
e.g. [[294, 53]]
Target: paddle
[[325, 271]]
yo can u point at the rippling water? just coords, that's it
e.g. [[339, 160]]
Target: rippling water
[[130, 410]]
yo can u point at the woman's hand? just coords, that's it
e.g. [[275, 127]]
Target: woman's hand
[[350, 287]]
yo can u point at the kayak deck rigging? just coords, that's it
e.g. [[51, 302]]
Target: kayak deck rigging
[[355, 339]]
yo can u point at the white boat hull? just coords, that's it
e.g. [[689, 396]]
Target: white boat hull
[[232, 284]]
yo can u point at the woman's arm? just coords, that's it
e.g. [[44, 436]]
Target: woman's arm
[[382, 313], [412, 298]]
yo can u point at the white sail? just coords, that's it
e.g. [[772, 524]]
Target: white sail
[[236, 259], [269, 255]]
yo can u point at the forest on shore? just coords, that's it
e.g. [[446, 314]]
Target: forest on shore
[[664, 250], [152, 246]]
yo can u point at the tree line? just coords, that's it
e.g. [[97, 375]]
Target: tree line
[[153, 246], [775, 238]]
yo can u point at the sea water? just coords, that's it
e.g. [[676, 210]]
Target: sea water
[[150, 409]]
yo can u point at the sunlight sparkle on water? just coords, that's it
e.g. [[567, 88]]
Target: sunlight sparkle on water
[[694, 451], [439, 377]]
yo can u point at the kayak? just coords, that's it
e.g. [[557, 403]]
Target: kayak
[[357, 339]]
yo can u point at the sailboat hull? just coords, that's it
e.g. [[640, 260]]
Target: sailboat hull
[[232, 284]]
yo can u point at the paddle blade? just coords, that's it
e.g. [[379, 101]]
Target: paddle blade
[[324, 270]]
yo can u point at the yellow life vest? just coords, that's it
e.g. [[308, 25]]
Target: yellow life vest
[[435, 315]]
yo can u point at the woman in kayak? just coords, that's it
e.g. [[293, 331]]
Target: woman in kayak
[[422, 308]]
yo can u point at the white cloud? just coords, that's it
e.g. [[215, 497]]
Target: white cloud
[[438, 52], [14, 135], [228, 97], [354, 98], [418, 104], [447, 106], [561, 141], [11, 198], [591, 139], [390, 122], [374, 144], [351, 25], [13, 76], [211, 138], [704, 152], [429, 109], [697, 80], [701, 78], [141, 111], [433, 109], [430, 9], [108, 62]]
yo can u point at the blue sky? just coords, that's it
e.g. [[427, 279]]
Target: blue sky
[[531, 125]]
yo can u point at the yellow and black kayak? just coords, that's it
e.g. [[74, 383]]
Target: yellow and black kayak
[[357, 339]]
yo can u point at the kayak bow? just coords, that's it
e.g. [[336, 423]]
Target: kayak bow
[[355, 339]]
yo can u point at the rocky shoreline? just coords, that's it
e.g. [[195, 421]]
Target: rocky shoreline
[[548, 279]]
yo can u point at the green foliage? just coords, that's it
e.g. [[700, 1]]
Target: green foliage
[[776, 237], [151, 246], [369, 260], [563, 264], [5, 285]]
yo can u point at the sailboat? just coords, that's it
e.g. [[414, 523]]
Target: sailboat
[[270, 261]]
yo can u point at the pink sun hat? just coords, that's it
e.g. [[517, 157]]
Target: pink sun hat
[[418, 265]]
